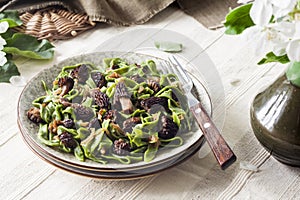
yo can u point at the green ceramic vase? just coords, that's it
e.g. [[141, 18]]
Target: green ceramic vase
[[275, 120]]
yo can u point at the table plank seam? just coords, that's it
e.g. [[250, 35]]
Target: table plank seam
[[241, 178], [138, 188], [288, 187], [31, 186], [8, 135]]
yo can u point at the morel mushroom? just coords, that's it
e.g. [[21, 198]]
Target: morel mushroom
[[34, 115], [169, 128], [68, 123], [66, 83], [82, 112], [155, 103], [121, 147], [114, 116], [67, 140], [101, 99], [155, 86], [99, 79], [80, 73], [122, 96], [128, 124]]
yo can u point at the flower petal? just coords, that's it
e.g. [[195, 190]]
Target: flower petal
[[18, 81], [2, 42], [261, 12], [283, 4], [293, 50], [3, 27], [282, 8], [3, 59]]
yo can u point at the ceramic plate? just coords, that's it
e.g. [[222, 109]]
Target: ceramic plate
[[34, 89]]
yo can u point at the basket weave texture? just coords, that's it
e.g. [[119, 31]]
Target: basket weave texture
[[54, 24]]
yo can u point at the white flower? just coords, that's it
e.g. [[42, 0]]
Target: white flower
[[261, 12], [282, 8], [293, 50], [257, 38], [3, 28], [3, 59], [2, 43], [282, 34], [18, 81]]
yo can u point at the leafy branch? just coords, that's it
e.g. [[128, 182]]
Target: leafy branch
[[20, 44]]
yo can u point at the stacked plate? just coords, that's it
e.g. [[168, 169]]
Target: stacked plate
[[165, 158]]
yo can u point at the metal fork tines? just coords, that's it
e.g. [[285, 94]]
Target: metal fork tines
[[186, 82]]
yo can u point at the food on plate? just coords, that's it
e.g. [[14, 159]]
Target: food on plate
[[114, 112]]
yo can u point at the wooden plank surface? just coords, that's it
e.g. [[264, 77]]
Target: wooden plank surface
[[25, 176]]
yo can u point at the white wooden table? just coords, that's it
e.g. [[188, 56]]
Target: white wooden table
[[25, 176]]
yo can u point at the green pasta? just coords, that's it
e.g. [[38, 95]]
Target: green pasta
[[119, 112]]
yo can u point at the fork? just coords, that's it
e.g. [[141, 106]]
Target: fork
[[221, 150]]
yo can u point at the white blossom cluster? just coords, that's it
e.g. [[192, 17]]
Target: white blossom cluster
[[277, 27], [3, 28]]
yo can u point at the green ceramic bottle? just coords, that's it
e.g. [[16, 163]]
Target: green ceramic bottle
[[275, 120]]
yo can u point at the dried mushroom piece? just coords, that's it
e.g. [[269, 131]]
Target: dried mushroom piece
[[66, 83], [128, 124], [113, 115], [68, 123], [122, 96], [155, 103], [67, 140], [80, 73], [121, 147], [83, 113], [99, 79], [101, 99], [169, 128], [34, 115], [155, 86]]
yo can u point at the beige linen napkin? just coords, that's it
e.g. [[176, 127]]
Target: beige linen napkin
[[119, 12]]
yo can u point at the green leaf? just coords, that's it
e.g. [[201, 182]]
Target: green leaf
[[238, 20], [28, 46], [293, 73], [168, 46], [8, 70], [271, 57], [12, 17]]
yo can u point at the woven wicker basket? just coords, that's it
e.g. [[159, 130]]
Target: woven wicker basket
[[54, 23]]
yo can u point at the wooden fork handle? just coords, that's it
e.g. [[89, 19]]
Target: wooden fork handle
[[218, 145]]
